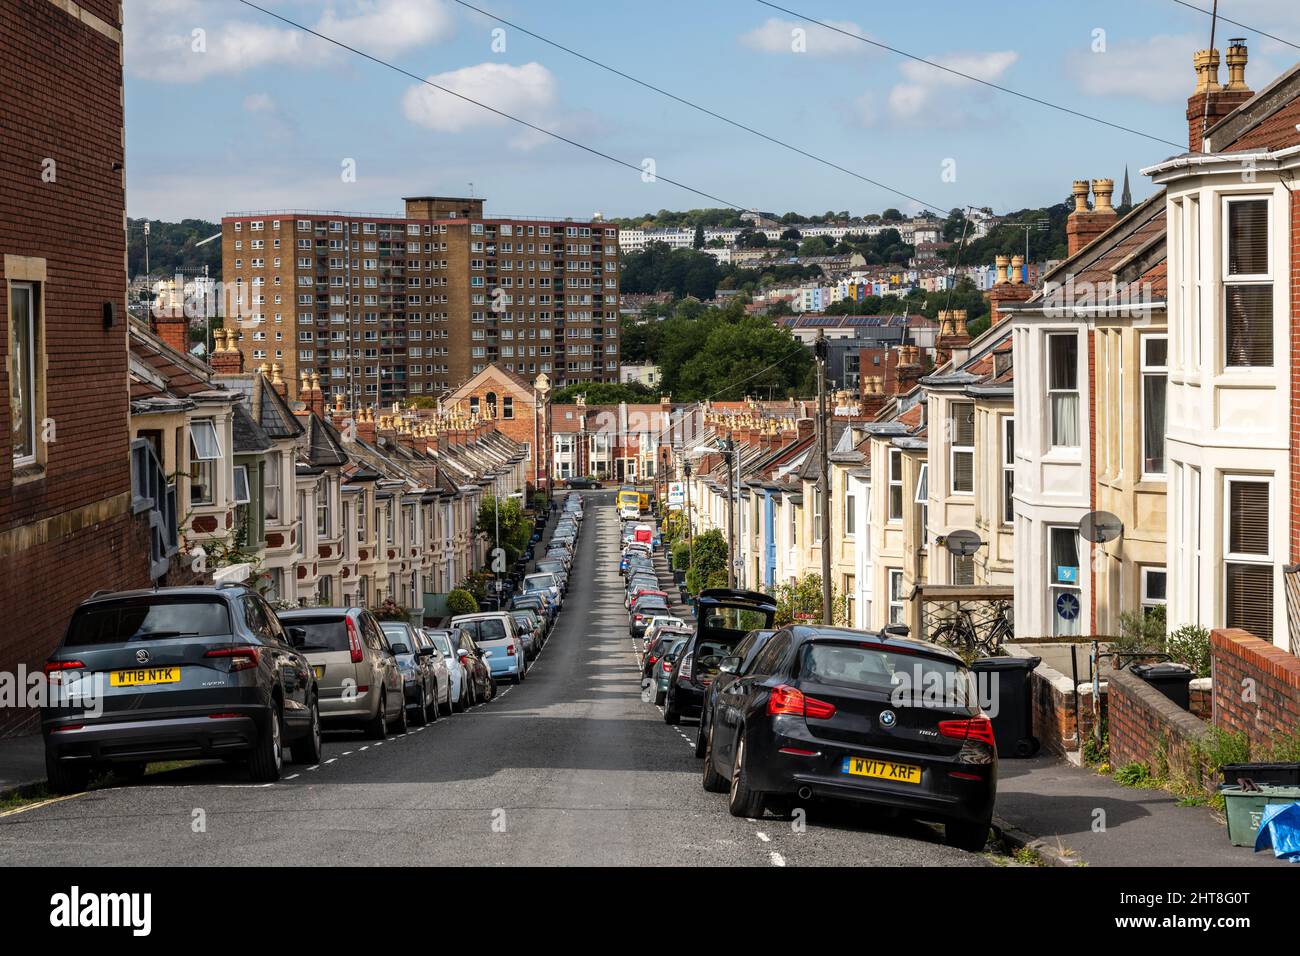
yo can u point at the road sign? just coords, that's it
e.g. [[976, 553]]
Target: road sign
[[676, 493]]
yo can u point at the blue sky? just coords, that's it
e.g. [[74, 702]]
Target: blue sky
[[228, 109]]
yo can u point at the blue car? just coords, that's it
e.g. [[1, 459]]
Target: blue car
[[494, 633]]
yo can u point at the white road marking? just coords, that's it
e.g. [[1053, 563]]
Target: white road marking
[[763, 836], [332, 759], [294, 777], [777, 859]]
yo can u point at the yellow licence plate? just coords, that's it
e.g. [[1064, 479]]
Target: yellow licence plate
[[319, 669], [882, 769], [146, 675]]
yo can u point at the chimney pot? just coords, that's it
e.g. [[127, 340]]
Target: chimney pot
[[1237, 56], [1080, 190], [1102, 190]]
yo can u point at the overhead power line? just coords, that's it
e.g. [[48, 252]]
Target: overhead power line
[[699, 107], [969, 76], [1237, 23], [636, 167]]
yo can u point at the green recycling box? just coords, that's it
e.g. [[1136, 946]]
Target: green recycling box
[[1245, 809]]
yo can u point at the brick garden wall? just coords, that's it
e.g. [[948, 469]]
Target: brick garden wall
[[1147, 727], [1270, 703]]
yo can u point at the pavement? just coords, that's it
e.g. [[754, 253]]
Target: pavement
[[22, 762], [1072, 815], [571, 767]]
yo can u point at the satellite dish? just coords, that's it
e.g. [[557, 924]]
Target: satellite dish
[[1100, 527], [963, 543]]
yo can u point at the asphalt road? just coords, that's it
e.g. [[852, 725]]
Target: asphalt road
[[569, 768]]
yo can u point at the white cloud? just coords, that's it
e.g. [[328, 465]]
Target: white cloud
[[527, 91], [385, 27], [780, 36], [179, 41], [1158, 68], [259, 103], [938, 96]]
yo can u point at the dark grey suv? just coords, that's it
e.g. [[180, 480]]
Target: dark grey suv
[[173, 674]]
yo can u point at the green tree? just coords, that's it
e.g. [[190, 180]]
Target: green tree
[[698, 243], [604, 393], [708, 561], [515, 528]]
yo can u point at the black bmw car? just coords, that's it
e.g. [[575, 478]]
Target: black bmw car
[[854, 715]]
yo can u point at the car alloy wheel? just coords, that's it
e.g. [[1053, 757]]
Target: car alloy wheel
[[743, 802], [712, 780]]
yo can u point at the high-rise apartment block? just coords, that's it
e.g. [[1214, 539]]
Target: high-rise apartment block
[[386, 308]]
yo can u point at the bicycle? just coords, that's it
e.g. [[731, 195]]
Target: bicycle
[[961, 630]]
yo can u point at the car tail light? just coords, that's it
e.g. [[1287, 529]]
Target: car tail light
[[64, 727], [668, 667], [976, 728], [510, 650], [224, 716], [798, 752], [653, 660], [354, 641], [54, 669], [241, 658], [790, 700], [688, 665]]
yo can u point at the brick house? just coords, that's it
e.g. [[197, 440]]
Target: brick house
[[66, 523]]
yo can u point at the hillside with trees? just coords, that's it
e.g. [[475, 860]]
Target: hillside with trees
[[173, 247]]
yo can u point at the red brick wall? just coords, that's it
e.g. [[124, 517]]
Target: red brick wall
[[1268, 706], [63, 85], [1142, 722]]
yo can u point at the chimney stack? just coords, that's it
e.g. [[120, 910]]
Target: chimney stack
[[1211, 102], [909, 367], [1084, 224], [952, 333], [226, 359], [873, 395]]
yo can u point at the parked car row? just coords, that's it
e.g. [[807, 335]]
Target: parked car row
[[804, 713], [186, 673]]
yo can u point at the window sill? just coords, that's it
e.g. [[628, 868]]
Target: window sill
[[27, 473]]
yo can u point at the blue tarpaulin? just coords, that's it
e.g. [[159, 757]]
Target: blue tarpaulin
[[1279, 829]]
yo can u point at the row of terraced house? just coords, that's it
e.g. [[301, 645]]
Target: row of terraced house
[[1123, 437]]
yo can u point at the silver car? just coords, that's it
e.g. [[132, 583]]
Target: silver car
[[441, 639], [428, 687], [359, 682]]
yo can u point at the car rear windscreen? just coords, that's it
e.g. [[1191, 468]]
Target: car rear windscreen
[[151, 618], [326, 633], [908, 677], [491, 630], [441, 641]]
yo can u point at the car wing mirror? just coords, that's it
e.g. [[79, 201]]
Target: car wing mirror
[[399, 649], [730, 665]]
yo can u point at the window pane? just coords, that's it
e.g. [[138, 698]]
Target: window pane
[[1248, 237], [1065, 420], [1153, 423], [1063, 372], [1249, 325], [963, 424], [1065, 556], [1249, 598], [963, 471], [1248, 517], [21, 383], [203, 440]]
